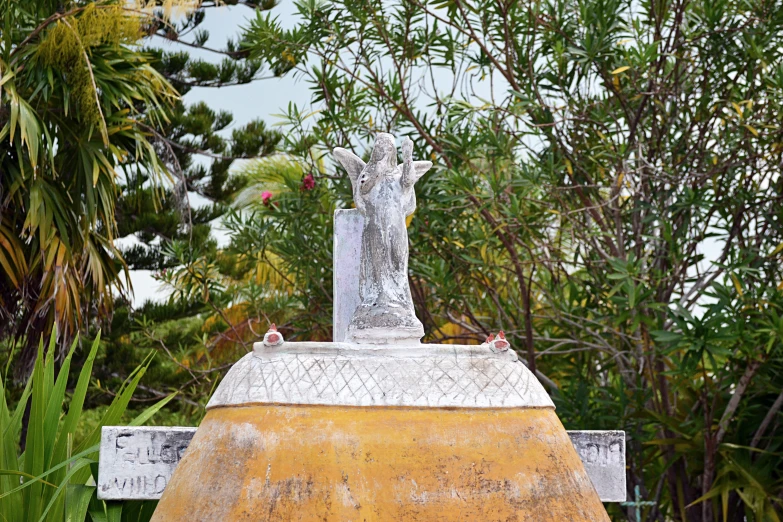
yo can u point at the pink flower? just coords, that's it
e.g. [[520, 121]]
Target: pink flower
[[265, 197], [308, 182]]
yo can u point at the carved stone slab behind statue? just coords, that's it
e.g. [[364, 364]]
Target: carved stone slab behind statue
[[136, 463], [347, 255], [347, 374]]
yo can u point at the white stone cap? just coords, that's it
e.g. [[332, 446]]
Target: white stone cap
[[346, 374]]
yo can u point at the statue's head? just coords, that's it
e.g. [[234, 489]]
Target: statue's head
[[384, 151]]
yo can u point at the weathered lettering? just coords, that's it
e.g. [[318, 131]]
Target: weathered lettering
[[137, 463], [603, 454]]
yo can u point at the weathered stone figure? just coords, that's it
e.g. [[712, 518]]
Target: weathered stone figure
[[384, 195]]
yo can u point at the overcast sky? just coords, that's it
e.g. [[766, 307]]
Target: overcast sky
[[262, 99]]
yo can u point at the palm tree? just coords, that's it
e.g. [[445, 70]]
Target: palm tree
[[78, 102]]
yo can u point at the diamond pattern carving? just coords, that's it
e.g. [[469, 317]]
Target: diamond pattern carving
[[437, 381]]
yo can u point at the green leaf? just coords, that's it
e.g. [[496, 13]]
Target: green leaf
[[76, 466], [151, 411], [665, 336], [77, 502], [113, 511], [37, 479]]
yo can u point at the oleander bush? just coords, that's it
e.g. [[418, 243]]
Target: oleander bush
[[606, 189]]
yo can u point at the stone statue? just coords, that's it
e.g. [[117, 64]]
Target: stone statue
[[384, 195]]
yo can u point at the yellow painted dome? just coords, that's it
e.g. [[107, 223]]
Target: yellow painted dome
[[332, 431]]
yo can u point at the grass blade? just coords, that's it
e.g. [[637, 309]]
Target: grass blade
[[77, 500], [78, 466], [61, 465], [34, 447], [151, 411]]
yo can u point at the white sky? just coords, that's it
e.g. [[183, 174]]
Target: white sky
[[260, 99]]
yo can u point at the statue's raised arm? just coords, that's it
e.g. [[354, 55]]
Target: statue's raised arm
[[383, 193], [411, 172]]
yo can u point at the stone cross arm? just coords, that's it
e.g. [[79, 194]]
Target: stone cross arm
[[136, 463]]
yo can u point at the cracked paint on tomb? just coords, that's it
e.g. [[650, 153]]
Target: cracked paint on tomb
[[298, 463]]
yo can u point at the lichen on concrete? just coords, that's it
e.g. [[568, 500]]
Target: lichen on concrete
[[397, 464]]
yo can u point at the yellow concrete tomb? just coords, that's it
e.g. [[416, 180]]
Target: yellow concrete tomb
[[380, 427], [333, 431]]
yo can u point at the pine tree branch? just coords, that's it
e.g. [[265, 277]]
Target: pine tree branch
[[216, 84], [231, 54], [194, 150]]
